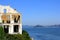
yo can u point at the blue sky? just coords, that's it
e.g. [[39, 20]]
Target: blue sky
[[42, 12]]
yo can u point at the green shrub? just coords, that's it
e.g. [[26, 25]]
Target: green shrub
[[14, 37], [25, 35], [4, 36]]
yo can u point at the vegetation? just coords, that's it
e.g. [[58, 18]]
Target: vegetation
[[4, 36], [25, 35]]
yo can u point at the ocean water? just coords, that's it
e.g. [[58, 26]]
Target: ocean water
[[38, 33]]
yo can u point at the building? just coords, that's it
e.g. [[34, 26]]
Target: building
[[10, 20]]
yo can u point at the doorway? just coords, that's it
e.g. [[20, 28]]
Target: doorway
[[16, 28], [6, 28]]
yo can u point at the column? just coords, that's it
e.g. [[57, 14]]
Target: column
[[20, 28], [12, 21], [20, 25], [11, 29], [0, 18]]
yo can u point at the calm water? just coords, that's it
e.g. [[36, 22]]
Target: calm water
[[43, 33]]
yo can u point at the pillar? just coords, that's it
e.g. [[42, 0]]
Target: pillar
[[11, 29]]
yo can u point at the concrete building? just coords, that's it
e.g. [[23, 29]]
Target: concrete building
[[10, 20]]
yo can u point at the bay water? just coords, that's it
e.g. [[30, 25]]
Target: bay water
[[42, 33]]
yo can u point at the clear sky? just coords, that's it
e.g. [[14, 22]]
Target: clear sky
[[42, 12]]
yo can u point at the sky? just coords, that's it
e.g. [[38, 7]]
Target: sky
[[36, 12]]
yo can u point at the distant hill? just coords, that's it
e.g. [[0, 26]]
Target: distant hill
[[48, 26], [38, 26], [54, 26]]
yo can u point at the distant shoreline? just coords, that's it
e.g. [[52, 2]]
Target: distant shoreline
[[51, 26]]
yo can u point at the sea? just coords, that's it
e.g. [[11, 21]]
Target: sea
[[43, 33]]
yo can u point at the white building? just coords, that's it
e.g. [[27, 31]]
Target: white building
[[10, 20]]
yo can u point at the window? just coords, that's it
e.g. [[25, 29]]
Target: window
[[6, 27], [8, 21], [5, 10], [2, 21], [16, 19], [15, 28]]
